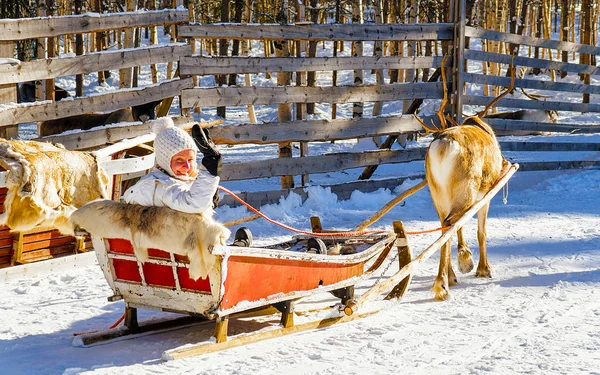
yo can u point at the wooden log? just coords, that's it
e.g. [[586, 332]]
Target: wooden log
[[531, 83], [534, 42], [314, 130], [531, 62], [239, 96], [548, 146], [316, 32], [536, 126], [31, 112], [109, 135], [532, 104], [31, 28], [93, 62], [317, 164]]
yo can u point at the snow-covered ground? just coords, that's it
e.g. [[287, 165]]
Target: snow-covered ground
[[539, 314]]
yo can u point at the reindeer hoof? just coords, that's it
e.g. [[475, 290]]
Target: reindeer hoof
[[465, 260], [452, 281], [484, 272], [440, 289]]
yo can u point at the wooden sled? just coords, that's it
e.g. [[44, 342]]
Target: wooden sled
[[244, 279], [253, 281]]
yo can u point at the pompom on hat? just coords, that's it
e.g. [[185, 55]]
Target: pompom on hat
[[169, 141]]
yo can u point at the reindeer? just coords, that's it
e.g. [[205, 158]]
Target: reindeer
[[143, 112], [461, 165], [26, 92]]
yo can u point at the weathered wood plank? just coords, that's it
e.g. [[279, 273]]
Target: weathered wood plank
[[238, 96], [317, 164], [554, 165], [530, 83], [93, 62], [41, 111], [109, 135], [531, 104], [347, 32], [313, 131], [502, 124], [531, 62], [42, 27], [200, 65], [529, 41], [548, 146]]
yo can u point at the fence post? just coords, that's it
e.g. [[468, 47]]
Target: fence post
[[458, 61], [126, 74], [8, 93]]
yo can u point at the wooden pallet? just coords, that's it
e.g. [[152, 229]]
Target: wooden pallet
[[35, 245]]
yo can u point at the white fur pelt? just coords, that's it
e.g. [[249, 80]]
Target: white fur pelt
[[193, 235], [46, 183]]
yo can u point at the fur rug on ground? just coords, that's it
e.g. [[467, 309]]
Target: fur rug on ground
[[46, 183], [193, 235]]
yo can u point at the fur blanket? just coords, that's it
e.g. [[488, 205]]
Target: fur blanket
[[193, 235], [46, 183]]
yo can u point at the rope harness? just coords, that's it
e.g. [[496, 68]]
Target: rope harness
[[328, 234]]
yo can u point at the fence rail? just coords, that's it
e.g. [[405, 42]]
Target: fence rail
[[90, 63], [344, 32], [41, 111], [45, 27], [201, 65]]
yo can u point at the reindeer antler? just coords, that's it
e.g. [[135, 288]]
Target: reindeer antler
[[440, 111], [427, 129], [510, 88]]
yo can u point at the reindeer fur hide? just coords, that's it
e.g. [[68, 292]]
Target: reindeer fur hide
[[46, 183], [193, 235]]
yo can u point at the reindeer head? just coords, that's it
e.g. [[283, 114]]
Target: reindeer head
[[145, 112]]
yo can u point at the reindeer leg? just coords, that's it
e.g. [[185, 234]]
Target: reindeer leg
[[465, 256], [440, 285], [483, 268], [452, 279]]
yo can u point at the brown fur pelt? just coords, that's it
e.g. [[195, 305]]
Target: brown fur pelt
[[46, 183], [193, 235]]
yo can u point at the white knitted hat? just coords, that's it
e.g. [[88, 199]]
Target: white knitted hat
[[169, 141]]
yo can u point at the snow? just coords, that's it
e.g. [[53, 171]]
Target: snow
[[539, 314]]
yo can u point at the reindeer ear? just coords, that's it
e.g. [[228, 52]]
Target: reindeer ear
[[161, 124]]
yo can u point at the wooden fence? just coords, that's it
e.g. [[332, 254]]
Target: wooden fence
[[287, 94], [540, 74], [13, 72]]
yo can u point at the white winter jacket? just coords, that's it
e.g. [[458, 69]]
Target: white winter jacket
[[159, 189]]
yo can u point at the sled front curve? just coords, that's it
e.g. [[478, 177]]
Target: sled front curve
[[242, 278]]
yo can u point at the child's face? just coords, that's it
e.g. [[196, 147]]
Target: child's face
[[183, 163]]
